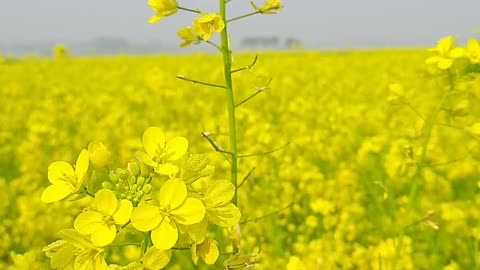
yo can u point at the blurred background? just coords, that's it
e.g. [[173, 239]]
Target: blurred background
[[120, 26]]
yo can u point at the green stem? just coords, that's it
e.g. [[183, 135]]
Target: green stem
[[412, 202], [227, 63], [189, 10], [243, 16]]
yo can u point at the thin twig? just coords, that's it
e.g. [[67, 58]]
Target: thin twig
[[267, 215], [251, 96], [181, 77], [243, 16], [189, 10], [249, 174], [247, 67], [265, 153]]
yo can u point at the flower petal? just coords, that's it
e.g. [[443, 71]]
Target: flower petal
[[156, 258], [165, 236], [208, 251], [88, 222], [106, 202], [166, 169], [56, 192], [81, 167], [176, 148], [153, 140], [58, 170], [224, 216], [104, 236], [156, 18], [146, 217], [146, 159], [218, 193], [173, 193], [123, 213], [190, 212]]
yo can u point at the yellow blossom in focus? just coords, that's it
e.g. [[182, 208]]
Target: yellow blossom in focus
[[188, 36], [159, 153], [207, 251], [207, 25], [156, 259], [101, 223], [64, 179], [446, 53], [163, 8], [174, 208]]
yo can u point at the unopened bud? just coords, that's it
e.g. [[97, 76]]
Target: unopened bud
[[147, 188], [134, 168], [113, 177]]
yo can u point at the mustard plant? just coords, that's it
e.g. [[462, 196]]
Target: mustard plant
[[155, 203]]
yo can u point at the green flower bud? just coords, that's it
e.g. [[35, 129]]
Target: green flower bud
[[113, 177], [147, 188], [123, 174], [134, 168], [140, 181]]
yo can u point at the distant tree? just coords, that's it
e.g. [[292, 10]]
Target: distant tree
[[109, 45]]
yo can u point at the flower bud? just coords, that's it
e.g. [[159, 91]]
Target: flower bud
[[99, 154], [147, 188], [113, 177], [134, 168]]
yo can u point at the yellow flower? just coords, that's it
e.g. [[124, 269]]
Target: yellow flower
[[207, 25], [220, 211], [163, 8], [188, 36], [156, 259], [270, 7], [173, 208], [101, 223], [159, 152], [75, 251], [473, 51], [64, 179], [99, 154], [446, 53], [207, 251]]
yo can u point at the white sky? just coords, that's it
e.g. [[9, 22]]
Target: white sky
[[318, 23]]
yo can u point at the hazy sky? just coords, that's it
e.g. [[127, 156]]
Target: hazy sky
[[318, 23]]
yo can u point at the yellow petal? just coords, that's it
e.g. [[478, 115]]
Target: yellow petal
[[156, 258], [123, 213], [445, 63], [208, 251], [190, 212], [104, 236], [173, 193], [146, 217], [198, 231], [458, 53], [218, 193], [58, 170], [146, 159], [56, 192], [153, 140], [155, 18], [166, 169], [176, 148], [106, 202], [88, 222], [433, 60], [81, 166], [224, 216], [165, 236]]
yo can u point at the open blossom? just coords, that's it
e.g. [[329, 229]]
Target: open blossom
[[100, 223], [163, 8], [173, 208], [64, 179], [270, 7], [446, 53], [207, 25]]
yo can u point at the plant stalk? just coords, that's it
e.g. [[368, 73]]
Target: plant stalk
[[227, 63]]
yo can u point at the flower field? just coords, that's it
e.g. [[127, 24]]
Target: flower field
[[350, 160]]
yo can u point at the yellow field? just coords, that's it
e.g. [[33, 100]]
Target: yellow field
[[340, 191]]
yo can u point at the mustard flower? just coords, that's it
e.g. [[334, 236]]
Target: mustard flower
[[207, 251], [99, 154], [156, 259], [446, 53], [173, 208], [220, 211], [64, 179], [101, 223], [188, 36], [75, 251], [270, 7], [473, 51], [163, 8], [207, 25], [160, 153]]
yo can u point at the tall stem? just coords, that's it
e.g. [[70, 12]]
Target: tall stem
[[227, 63]]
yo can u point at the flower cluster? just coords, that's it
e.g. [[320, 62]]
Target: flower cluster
[[154, 196]]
